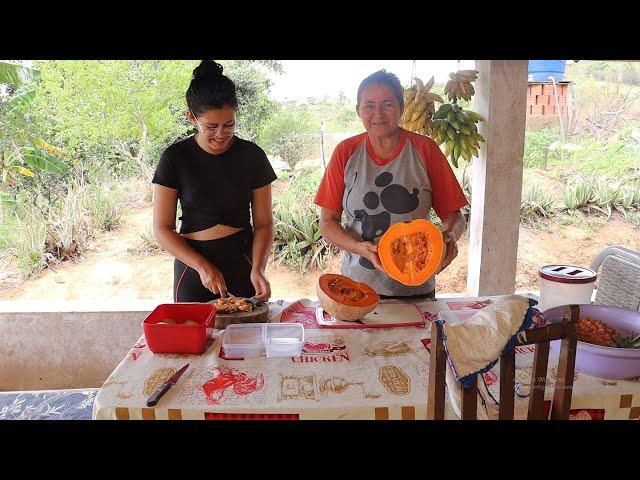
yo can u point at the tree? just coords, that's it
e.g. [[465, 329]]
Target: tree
[[290, 134], [21, 150], [252, 86], [113, 108], [125, 112]]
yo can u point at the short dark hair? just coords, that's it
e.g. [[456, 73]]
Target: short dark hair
[[210, 89], [385, 78]]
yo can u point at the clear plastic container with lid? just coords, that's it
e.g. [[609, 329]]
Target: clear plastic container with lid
[[255, 339], [564, 285]]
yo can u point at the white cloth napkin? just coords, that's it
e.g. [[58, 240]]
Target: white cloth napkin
[[474, 346]]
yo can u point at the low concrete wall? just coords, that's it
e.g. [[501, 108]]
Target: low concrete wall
[[45, 349]]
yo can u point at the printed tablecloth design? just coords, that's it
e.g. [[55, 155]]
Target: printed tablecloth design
[[365, 373]]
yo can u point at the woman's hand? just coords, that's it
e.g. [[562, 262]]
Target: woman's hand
[[261, 285], [451, 247], [212, 279], [369, 251]]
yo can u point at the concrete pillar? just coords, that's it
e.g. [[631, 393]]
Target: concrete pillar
[[496, 182]]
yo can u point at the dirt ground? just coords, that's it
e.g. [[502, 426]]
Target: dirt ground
[[111, 271]]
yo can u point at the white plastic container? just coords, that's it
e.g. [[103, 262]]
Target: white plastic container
[[243, 340], [564, 285], [252, 340]]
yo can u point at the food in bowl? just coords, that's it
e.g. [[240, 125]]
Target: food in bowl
[[604, 361], [167, 321], [599, 333]]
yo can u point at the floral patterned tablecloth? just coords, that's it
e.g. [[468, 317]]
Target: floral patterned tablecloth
[[361, 373]]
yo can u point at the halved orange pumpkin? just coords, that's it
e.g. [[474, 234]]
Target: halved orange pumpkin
[[411, 252], [344, 298]]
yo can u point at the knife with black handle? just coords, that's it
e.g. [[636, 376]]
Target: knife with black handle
[[164, 388]]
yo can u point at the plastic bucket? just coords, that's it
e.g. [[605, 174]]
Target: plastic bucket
[[564, 285]]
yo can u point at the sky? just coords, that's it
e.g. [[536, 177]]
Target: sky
[[317, 78]]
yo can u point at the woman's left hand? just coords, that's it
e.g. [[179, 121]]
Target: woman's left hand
[[261, 285], [451, 248]]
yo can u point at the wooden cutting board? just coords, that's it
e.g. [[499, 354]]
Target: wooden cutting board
[[260, 314]]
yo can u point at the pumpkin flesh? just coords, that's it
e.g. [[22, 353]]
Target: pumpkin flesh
[[344, 298], [411, 252]]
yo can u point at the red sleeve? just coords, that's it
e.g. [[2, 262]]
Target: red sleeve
[[331, 189], [446, 193]]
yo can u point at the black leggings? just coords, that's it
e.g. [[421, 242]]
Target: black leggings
[[231, 255]]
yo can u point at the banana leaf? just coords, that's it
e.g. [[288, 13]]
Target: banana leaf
[[22, 98], [17, 74], [39, 159], [25, 171], [5, 198]]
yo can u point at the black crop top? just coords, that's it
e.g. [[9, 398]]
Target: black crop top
[[214, 189]]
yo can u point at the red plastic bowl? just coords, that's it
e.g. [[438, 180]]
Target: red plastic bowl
[[178, 337]]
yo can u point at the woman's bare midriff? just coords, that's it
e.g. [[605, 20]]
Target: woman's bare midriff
[[213, 233]]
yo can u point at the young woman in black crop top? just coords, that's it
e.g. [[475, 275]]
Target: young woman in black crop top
[[224, 186]]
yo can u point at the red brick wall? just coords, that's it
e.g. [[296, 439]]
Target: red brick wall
[[541, 100]]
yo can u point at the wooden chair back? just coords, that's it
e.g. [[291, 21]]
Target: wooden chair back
[[564, 330]]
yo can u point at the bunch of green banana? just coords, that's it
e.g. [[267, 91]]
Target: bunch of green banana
[[460, 84], [456, 129], [419, 107]]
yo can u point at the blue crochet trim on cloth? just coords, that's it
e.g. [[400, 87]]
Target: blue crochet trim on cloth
[[467, 380]]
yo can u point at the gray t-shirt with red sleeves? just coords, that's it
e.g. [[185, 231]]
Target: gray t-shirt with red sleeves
[[376, 197]]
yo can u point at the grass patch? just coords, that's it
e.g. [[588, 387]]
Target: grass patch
[[147, 245]]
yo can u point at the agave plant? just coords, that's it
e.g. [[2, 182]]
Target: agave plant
[[636, 194], [298, 241], [625, 199], [536, 204], [578, 195], [605, 197]]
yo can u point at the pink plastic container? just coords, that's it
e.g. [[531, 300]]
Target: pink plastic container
[[605, 362], [178, 337]]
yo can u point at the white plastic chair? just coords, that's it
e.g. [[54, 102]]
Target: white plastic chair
[[619, 279]]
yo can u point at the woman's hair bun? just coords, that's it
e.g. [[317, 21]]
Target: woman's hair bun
[[207, 68]]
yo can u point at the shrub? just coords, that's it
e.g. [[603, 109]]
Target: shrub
[[536, 204], [29, 248], [298, 241], [104, 207], [578, 195], [290, 134], [147, 245], [535, 144], [67, 226], [605, 197]]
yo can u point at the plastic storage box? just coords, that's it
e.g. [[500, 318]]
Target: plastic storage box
[[255, 339], [178, 337]]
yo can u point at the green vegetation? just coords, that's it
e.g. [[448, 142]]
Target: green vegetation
[[74, 154], [298, 242], [71, 148], [289, 134]]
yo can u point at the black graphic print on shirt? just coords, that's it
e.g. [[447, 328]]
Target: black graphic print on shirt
[[394, 198]]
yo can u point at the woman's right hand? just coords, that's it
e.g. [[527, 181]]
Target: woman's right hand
[[212, 279], [369, 251]]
